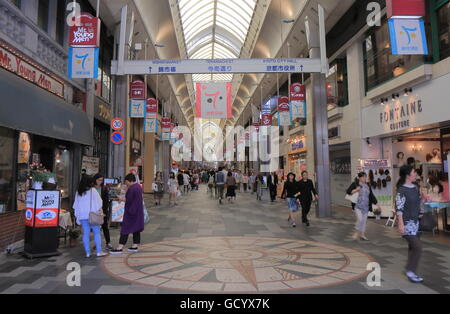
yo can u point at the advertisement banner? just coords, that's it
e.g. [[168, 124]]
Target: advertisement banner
[[151, 108], [91, 164], [408, 37], [166, 125], [47, 209], [298, 101], [266, 119], [137, 90], [83, 63], [298, 109], [86, 33], [151, 125], [137, 108], [213, 100], [284, 118], [30, 205]]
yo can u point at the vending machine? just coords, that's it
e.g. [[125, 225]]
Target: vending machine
[[41, 223]]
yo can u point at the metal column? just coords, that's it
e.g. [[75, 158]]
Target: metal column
[[320, 118]]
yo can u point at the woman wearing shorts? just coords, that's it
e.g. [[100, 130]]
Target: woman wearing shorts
[[290, 193]]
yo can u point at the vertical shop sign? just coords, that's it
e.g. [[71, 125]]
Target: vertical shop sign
[[284, 112], [83, 63], [408, 37], [151, 125], [137, 90], [151, 108], [298, 101], [87, 33], [137, 108]]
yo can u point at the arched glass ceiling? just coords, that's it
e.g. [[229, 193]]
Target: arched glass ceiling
[[215, 29]]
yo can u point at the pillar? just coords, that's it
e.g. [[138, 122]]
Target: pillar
[[149, 161]]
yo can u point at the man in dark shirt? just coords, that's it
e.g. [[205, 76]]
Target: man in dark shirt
[[273, 183], [180, 179], [307, 194]]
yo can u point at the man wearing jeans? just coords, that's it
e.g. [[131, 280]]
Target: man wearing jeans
[[220, 183]]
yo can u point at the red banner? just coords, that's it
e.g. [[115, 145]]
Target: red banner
[[137, 90], [298, 92], [152, 107], [87, 33], [283, 104], [266, 119], [405, 8], [166, 124]]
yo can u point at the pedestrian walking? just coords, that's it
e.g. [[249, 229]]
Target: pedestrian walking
[[220, 184], [87, 204], [180, 179], [245, 180], [174, 188], [290, 193], [231, 187], [186, 182], [133, 218], [211, 184], [363, 205], [158, 188], [408, 200], [307, 195], [273, 184], [99, 181]]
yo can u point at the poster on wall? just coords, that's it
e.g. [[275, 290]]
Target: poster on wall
[[24, 148], [91, 164]]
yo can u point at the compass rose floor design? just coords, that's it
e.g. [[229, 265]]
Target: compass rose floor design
[[238, 264]]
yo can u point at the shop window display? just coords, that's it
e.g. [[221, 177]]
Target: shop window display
[[6, 170], [444, 31]]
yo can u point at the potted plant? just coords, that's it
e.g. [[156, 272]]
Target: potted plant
[[38, 179], [377, 213], [74, 234]]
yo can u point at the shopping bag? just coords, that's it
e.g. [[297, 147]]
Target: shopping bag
[[352, 198]]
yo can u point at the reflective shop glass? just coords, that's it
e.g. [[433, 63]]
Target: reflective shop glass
[[6, 170], [444, 31], [380, 64]]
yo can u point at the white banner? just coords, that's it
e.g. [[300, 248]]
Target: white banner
[[83, 63], [231, 66], [151, 125], [213, 100], [137, 108], [298, 109], [284, 118], [408, 37]]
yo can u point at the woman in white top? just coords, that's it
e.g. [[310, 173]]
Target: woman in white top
[[88, 200], [173, 187]]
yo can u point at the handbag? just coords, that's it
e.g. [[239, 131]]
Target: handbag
[[95, 218], [352, 197]]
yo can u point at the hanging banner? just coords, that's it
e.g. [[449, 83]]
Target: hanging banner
[[298, 101], [284, 118], [283, 103], [150, 125], [408, 37], [86, 33], [213, 100], [137, 108], [83, 63], [151, 108], [137, 90], [165, 136], [266, 119], [166, 125]]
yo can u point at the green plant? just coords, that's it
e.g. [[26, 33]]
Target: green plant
[[39, 176]]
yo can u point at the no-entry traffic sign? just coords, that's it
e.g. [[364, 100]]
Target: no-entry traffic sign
[[117, 124], [117, 138]]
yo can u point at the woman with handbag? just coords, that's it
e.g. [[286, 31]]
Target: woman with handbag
[[363, 204], [88, 212], [133, 217], [408, 201]]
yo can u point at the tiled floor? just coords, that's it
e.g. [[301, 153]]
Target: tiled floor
[[201, 247]]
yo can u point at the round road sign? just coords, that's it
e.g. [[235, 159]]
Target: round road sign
[[117, 138], [117, 124]]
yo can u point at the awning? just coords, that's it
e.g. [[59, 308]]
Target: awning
[[27, 107]]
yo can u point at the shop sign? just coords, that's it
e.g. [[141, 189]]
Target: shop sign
[[151, 108], [26, 70], [166, 125], [30, 206], [86, 33], [103, 112], [298, 92], [137, 108], [405, 8], [374, 163], [83, 63], [266, 119], [298, 101], [408, 37], [298, 145], [91, 164], [150, 125], [137, 90], [47, 209], [214, 100]]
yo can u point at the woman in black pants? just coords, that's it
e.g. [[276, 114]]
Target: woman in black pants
[[307, 194], [103, 192], [408, 201]]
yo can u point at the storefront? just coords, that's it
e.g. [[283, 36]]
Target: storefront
[[415, 126], [297, 155], [340, 173]]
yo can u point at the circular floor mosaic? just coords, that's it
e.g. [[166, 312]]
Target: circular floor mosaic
[[238, 264]]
